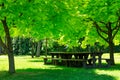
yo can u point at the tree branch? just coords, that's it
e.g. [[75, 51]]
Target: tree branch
[[117, 24], [7, 33], [98, 27], [116, 28], [2, 5], [101, 35], [102, 22]]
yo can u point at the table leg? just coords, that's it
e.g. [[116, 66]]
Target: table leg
[[99, 60], [94, 60]]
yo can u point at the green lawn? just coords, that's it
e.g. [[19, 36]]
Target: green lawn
[[34, 69]]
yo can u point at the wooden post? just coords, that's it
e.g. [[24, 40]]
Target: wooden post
[[94, 64], [99, 59]]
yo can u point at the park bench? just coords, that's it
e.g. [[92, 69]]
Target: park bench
[[108, 61], [67, 62], [78, 59]]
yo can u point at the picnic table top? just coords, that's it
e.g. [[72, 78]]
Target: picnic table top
[[75, 52]]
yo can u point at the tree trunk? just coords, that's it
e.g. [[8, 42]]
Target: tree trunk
[[111, 44], [111, 49], [38, 50], [10, 57], [8, 47], [32, 55], [11, 63], [39, 46], [34, 49]]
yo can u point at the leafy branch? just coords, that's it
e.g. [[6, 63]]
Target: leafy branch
[[117, 27], [98, 27]]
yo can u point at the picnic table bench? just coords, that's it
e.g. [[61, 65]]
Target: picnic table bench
[[84, 59]]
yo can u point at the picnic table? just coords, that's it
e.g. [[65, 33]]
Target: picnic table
[[84, 59]]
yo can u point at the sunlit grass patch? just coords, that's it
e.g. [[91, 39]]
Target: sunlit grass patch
[[28, 68]]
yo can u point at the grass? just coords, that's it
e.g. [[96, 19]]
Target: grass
[[34, 69]]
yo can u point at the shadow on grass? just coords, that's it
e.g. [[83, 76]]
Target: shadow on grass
[[35, 60], [62, 73], [114, 67]]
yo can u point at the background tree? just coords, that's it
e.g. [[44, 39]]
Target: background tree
[[39, 47], [105, 17]]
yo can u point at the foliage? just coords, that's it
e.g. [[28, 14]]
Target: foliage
[[102, 12], [21, 46], [62, 20]]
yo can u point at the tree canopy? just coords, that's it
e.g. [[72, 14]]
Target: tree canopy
[[40, 19], [103, 12], [65, 20], [59, 19]]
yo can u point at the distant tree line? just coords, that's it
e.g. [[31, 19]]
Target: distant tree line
[[25, 46]]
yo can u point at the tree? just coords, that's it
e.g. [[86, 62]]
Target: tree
[[24, 18], [8, 46], [13, 14], [105, 17], [39, 47]]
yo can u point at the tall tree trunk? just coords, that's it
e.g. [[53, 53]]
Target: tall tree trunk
[[8, 47], [38, 50], [39, 46], [111, 44], [11, 62], [111, 49], [34, 49]]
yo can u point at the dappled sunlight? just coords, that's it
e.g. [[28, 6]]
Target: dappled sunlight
[[3, 56], [28, 68], [34, 63], [109, 72], [56, 74], [3, 61], [113, 71], [65, 73]]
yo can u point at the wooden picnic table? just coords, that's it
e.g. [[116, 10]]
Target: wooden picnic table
[[78, 58]]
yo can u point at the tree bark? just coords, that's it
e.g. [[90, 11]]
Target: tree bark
[[111, 49], [111, 44], [8, 47], [39, 46], [32, 55], [34, 49]]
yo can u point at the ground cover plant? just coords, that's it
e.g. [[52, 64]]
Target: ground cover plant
[[28, 68]]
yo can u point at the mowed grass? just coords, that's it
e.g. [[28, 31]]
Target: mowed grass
[[34, 69]]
